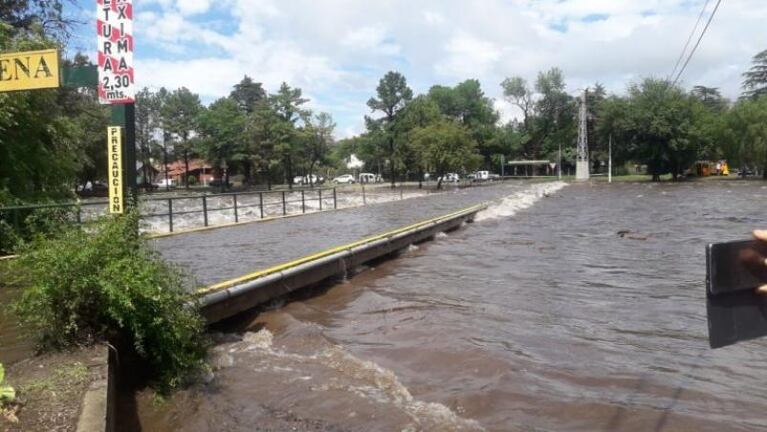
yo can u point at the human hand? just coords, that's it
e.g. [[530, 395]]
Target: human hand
[[761, 235]]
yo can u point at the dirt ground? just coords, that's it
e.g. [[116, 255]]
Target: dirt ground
[[50, 390]]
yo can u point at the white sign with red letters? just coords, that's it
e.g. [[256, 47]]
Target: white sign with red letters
[[115, 35]]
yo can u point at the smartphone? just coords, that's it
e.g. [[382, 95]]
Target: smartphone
[[733, 272]]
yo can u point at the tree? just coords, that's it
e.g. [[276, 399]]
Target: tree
[[445, 146], [393, 95], [556, 113], [655, 125], [287, 103], [147, 121], [710, 97], [755, 79], [248, 94], [519, 94], [745, 134], [179, 113], [419, 113], [264, 129], [221, 129], [318, 136]]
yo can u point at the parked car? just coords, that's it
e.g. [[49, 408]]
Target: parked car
[[494, 176], [298, 180], [450, 178], [161, 182], [344, 179], [313, 180], [370, 178], [482, 175]]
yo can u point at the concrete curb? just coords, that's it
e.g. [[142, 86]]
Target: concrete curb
[[99, 402]]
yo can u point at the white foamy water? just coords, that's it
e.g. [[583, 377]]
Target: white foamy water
[[510, 205], [328, 369]]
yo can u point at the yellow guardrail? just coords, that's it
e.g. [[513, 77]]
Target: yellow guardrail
[[278, 268]]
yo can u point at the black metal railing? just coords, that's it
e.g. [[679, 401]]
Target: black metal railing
[[264, 203]]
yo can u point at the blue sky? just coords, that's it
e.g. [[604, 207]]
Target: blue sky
[[336, 50]]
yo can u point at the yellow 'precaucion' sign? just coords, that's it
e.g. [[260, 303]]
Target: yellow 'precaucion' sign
[[115, 158], [29, 70]]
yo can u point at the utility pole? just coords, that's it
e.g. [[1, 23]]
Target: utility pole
[[582, 161], [559, 164], [503, 162], [610, 160]]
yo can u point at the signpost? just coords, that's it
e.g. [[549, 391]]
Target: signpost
[[29, 70], [114, 79], [116, 85]]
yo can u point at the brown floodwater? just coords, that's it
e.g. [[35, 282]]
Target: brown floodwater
[[14, 345], [538, 316]]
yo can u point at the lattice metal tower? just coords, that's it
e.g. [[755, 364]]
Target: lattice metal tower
[[582, 162]]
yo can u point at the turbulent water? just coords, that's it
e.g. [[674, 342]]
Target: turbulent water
[[539, 316]]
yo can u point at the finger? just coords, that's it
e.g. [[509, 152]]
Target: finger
[[760, 235], [762, 290]]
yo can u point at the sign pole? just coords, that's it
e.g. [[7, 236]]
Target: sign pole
[[610, 161], [125, 117]]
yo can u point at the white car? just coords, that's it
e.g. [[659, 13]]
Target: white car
[[370, 178], [298, 180], [482, 175], [450, 178], [344, 179]]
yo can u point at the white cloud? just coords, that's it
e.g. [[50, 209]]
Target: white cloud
[[191, 7], [338, 49], [468, 57]]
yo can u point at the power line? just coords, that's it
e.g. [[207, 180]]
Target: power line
[[689, 39], [708, 23]]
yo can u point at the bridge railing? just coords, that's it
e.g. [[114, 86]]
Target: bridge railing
[[168, 214]]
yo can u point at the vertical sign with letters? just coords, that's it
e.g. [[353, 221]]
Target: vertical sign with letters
[[115, 45], [114, 156]]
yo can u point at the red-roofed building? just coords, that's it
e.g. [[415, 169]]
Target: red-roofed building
[[198, 168]]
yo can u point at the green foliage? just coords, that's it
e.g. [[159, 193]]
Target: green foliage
[[446, 146], [7, 393], [755, 79], [745, 133], [657, 125], [221, 128], [105, 284]]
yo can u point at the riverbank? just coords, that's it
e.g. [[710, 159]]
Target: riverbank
[[51, 388]]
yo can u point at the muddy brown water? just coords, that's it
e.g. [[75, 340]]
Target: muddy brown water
[[537, 318]]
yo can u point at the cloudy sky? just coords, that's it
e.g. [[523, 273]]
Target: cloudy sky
[[337, 50]]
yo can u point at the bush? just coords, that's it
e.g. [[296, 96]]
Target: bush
[[21, 225], [106, 284], [191, 180]]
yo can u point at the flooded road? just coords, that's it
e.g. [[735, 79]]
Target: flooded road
[[539, 316]]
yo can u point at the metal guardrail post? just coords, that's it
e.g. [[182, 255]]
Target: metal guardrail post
[[205, 210], [236, 216], [320, 197], [303, 202], [170, 214], [400, 194], [261, 203], [79, 215], [284, 209], [16, 222], [335, 199], [364, 201]]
